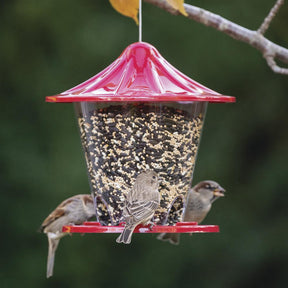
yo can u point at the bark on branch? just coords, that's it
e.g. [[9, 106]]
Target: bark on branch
[[256, 39]]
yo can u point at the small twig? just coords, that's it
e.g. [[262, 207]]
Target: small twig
[[272, 64], [267, 21], [251, 37]]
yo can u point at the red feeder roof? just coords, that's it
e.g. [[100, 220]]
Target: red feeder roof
[[140, 74]]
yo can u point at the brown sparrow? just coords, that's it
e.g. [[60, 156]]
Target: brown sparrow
[[140, 205], [199, 202], [74, 210]]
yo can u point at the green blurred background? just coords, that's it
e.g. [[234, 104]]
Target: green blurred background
[[50, 46]]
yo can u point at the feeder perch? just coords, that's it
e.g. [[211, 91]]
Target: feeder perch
[[180, 227], [139, 113]]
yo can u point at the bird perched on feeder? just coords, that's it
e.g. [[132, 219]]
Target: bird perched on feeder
[[198, 204], [74, 210], [140, 205]]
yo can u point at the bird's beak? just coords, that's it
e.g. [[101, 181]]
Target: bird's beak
[[219, 192]]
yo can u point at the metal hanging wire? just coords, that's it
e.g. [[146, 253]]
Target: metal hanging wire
[[140, 20]]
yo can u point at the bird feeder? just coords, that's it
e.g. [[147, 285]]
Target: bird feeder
[[139, 113]]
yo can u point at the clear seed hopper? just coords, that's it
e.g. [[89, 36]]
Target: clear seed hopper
[[140, 113]]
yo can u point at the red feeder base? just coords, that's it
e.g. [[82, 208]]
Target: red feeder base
[[180, 227]]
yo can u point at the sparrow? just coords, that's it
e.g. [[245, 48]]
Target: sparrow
[[140, 204], [74, 210], [198, 204]]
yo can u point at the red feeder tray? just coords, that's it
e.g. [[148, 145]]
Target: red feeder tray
[[180, 227]]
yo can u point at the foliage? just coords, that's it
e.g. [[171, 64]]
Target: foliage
[[126, 7], [130, 8], [178, 5]]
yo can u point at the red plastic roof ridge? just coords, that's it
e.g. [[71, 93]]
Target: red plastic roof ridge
[[140, 74]]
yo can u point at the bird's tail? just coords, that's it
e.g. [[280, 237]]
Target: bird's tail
[[173, 238], [53, 244], [126, 235]]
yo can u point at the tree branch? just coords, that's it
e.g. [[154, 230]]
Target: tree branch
[[269, 50]]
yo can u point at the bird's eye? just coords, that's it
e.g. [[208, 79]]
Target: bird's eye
[[208, 186], [153, 177]]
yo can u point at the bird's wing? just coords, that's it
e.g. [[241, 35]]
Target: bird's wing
[[57, 213], [61, 210], [140, 210]]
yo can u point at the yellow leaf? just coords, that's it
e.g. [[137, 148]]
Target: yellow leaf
[[178, 5], [127, 8]]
